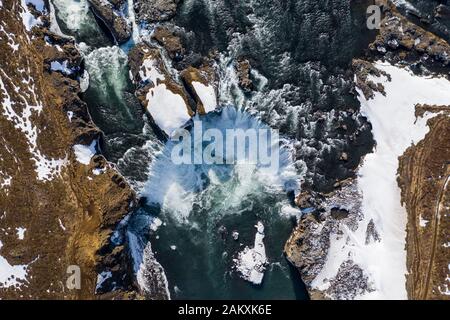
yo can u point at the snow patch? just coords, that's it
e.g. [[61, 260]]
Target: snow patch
[[85, 153], [98, 171], [168, 109], [422, 222], [101, 278], [46, 168], [149, 272], [21, 233], [445, 287], [61, 225], [63, 67], [38, 4], [149, 72], [5, 183], [11, 39], [11, 276], [29, 21], [207, 95]]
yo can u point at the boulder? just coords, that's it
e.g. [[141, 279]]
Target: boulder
[[172, 43], [112, 18], [200, 83], [155, 10]]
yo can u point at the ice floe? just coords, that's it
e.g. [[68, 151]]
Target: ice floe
[[251, 262]]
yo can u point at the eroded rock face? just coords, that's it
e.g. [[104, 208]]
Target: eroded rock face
[[363, 71], [65, 210], [400, 40], [171, 42], [424, 176], [107, 12], [155, 10]]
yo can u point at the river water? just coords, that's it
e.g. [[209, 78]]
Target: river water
[[300, 51]]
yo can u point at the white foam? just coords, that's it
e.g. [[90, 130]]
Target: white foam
[[74, 13]]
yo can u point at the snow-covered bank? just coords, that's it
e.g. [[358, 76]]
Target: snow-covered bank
[[395, 127], [207, 95]]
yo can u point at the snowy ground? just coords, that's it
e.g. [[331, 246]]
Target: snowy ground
[[11, 275], [395, 128]]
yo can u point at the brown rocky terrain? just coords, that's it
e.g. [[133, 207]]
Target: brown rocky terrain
[[66, 210], [169, 41], [424, 174], [400, 40]]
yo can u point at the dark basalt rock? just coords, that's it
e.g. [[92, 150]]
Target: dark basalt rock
[[171, 42], [113, 20], [156, 10]]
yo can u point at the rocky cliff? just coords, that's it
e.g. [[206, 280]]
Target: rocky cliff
[[59, 200], [424, 173]]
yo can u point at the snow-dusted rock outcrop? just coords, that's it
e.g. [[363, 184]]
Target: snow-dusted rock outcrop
[[251, 262]]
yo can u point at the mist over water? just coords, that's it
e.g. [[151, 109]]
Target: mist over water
[[201, 205]]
